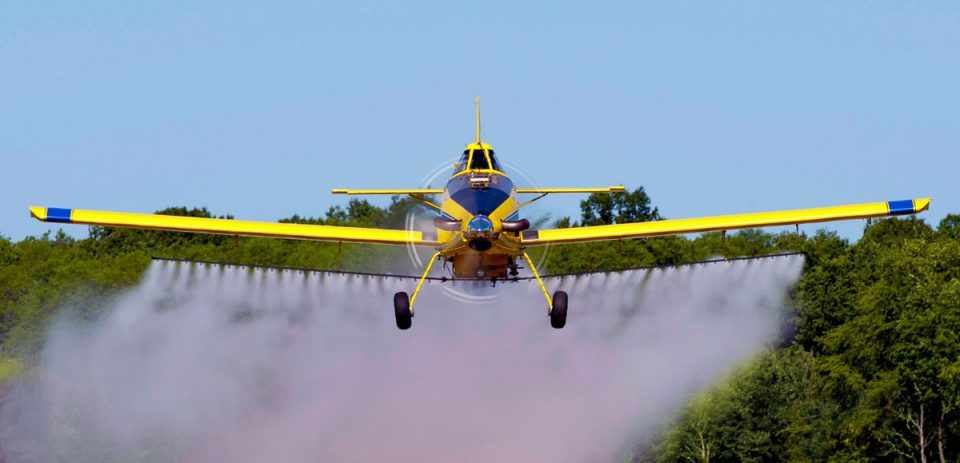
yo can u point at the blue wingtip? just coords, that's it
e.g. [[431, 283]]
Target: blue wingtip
[[57, 214], [901, 207]]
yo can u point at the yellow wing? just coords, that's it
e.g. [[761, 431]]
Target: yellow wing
[[389, 191], [603, 189], [233, 227], [723, 222]]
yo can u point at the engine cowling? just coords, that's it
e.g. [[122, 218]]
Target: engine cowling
[[446, 224], [515, 226]]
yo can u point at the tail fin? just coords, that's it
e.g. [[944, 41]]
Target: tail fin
[[476, 107]]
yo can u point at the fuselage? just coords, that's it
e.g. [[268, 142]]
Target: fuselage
[[480, 203]]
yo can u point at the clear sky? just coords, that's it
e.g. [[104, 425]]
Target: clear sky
[[259, 108]]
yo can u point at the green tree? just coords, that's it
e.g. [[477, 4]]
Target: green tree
[[949, 227], [621, 207]]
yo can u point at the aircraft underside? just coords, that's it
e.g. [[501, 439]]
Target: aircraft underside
[[483, 265]]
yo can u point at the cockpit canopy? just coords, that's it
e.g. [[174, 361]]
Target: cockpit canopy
[[477, 157]]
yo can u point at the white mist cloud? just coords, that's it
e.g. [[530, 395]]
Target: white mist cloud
[[205, 365]]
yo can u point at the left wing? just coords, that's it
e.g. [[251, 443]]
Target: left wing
[[388, 191], [233, 227], [723, 222]]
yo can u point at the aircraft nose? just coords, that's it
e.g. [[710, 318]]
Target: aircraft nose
[[480, 224]]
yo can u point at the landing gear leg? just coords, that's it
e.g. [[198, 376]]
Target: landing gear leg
[[557, 305], [403, 305]]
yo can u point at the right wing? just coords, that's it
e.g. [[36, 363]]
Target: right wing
[[233, 227], [722, 222], [604, 189]]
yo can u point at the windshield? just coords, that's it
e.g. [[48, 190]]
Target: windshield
[[479, 160], [462, 163], [493, 160]]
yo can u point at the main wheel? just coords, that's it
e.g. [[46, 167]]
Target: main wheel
[[558, 316], [401, 309]]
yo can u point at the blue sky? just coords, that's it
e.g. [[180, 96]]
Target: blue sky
[[258, 109]]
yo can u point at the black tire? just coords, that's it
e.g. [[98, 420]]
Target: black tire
[[558, 316], [401, 309]]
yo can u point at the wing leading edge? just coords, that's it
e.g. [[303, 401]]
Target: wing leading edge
[[724, 222], [232, 227], [601, 189], [386, 191]]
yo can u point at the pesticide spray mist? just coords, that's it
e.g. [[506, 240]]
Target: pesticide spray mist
[[209, 364]]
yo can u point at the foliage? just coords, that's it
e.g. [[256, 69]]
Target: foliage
[[622, 207], [873, 372], [749, 416], [9, 368]]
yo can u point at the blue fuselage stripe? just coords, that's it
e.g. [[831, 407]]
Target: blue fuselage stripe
[[900, 207], [60, 215], [480, 200]]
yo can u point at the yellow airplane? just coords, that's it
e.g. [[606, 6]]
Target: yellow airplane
[[478, 229]]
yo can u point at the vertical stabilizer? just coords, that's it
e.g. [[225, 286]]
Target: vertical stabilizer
[[476, 108]]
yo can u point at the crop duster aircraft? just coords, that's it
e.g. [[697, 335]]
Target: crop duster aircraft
[[478, 228]]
